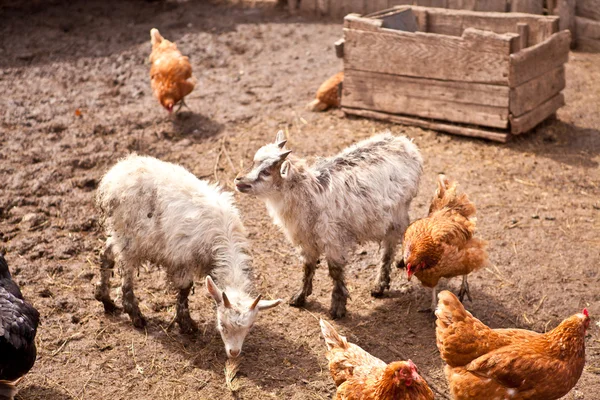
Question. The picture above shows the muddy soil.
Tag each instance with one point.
(75, 97)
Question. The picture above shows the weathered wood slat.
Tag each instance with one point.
(531, 94)
(566, 12)
(431, 3)
(587, 44)
(403, 21)
(491, 5)
(587, 28)
(462, 4)
(539, 59)
(372, 6)
(392, 3)
(339, 48)
(478, 56)
(356, 22)
(454, 22)
(470, 103)
(527, 6)
(530, 120)
(433, 125)
(589, 9)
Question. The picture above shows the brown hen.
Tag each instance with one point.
(516, 364)
(329, 94)
(170, 74)
(442, 244)
(360, 376)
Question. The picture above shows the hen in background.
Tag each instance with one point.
(18, 326)
(171, 72)
(329, 94)
(360, 376)
(442, 244)
(516, 364)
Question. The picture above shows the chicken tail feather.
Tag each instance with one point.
(449, 310)
(155, 37)
(445, 196)
(332, 338)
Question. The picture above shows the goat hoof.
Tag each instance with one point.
(187, 326)
(298, 300)
(109, 306)
(138, 321)
(337, 312)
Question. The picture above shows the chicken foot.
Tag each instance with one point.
(464, 289)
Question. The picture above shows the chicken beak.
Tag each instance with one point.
(409, 271)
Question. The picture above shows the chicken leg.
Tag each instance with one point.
(431, 309)
(464, 289)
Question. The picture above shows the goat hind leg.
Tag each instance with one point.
(130, 303)
(184, 319)
(340, 294)
(383, 277)
(310, 265)
(102, 290)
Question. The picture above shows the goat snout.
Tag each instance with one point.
(240, 186)
(234, 353)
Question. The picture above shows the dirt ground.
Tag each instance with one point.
(75, 97)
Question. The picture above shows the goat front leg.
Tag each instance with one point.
(102, 291)
(340, 294)
(184, 319)
(383, 277)
(310, 265)
(130, 303)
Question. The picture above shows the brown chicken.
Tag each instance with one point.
(514, 364)
(329, 94)
(442, 244)
(170, 74)
(360, 376)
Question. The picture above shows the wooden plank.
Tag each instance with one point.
(527, 6)
(589, 9)
(539, 59)
(523, 30)
(392, 3)
(531, 94)
(339, 48)
(491, 5)
(587, 28)
(566, 12)
(308, 6)
(497, 136)
(470, 103)
(589, 45)
(356, 22)
(478, 56)
(454, 22)
(431, 3)
(530, 120)
(375, 5)
(462, 4)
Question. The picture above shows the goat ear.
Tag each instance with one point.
(226, 302)
(266, 304)
(284, 171)
(280, 136)
(213, 290)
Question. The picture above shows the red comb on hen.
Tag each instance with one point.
(585, 312)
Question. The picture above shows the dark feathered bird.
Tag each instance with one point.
(18, 326)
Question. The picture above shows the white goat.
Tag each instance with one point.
(361, 194)
(159, 212)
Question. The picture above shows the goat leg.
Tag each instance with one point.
(130, 303)
(299, 299)
(184, 319)
(102, 291)
(383, 277)
(340, 293)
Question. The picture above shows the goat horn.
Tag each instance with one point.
(253, 306)
(283, 156)
(226, 301)
(282, 143)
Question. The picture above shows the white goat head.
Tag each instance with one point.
(269, 168)
(235, 316)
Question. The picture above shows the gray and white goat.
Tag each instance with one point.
(159, 212)
(361, 194)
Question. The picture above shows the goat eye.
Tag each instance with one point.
(265, 172)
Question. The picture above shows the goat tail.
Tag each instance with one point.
(8, 389)
(332, 338)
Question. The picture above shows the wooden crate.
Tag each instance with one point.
(488, 75)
